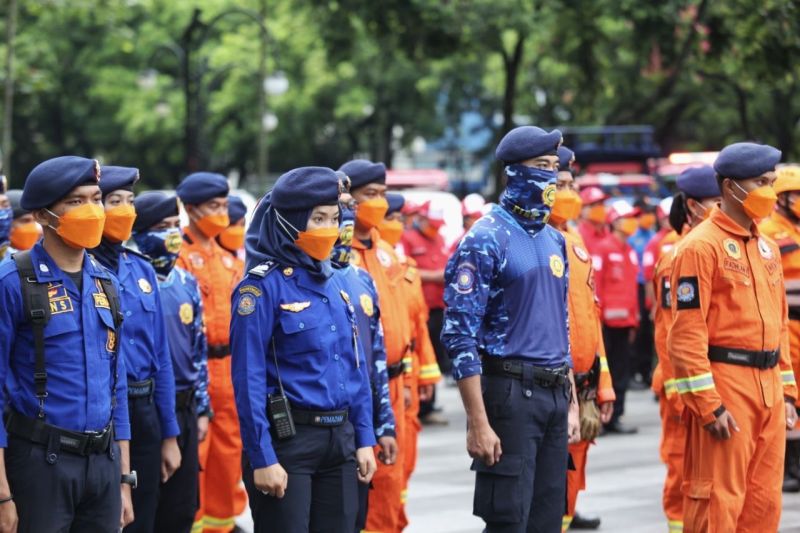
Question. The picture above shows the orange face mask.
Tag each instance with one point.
(232, 238)
(759, 202)
(567, 206)
(318, 243)
(597, 214)
(391, 231)
(628, 226)
(82, 227)
(24, 236)
(370, 213)
(213, 225)
(647, 221)
(119, 223)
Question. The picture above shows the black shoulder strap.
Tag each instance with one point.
(116, 313)
(37, 310)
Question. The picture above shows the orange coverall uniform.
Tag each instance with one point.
(222, 497)
(673, 428)
(728, 295)
(421, 369)
(385, 497)
(787, 237)
(586, 344)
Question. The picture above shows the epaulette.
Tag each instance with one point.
(263, 269)
(136, 253)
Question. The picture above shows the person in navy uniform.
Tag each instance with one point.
(157, 234)
(65, 431)
(506, 331)
(155, 454)
(370, 331)
(294, 343)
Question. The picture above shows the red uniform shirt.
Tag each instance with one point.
(591, 235)
(616, 267)
(429, 254)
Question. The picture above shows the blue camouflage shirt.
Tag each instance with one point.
(364, 293)
(506, 296)
(183, 318)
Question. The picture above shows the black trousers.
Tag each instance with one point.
(146, 460)
(618, 353)
(435, 325)
(58, 491)
(643, 351)
(322, 492)
(179, 497)
(526, 490)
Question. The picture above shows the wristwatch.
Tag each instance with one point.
(130, 479)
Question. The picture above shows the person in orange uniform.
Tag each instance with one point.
(698, 193)
(376, 256)
(25, 231)
(665, 236)
(421, 369)
(592, 226)
(205, 198)
(729, 348)
(783, 226)
(425, 245)
(232, 237)
(616, 267)
(592, 377)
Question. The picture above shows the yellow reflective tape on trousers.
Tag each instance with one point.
(566, 522)
(787, 376)
(695, 383)
(675, 526)
(215, 522)
(603, 364)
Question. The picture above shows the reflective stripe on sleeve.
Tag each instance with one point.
(695, 383)
(787, 376)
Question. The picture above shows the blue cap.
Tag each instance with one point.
(236, 209)
(117, 178)
(698, 182)
(52, 180)
(152, 207)
(14, 196)
(396, 202)
(527, 142)
(304, 188)
(363, 172)
(565, 157)
(200, 187)
(741, 161)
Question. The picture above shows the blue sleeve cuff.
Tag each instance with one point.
(122, 432)
(365, 437)
(466, 364)
(169, 428)
(262, 458)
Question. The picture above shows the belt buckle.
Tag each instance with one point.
(506, 366)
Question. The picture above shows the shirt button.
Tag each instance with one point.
(341, 386)
(52, 458)
(130, 341)
(302, 325)
(333, 328)
(528, 393)
(336, 357)
(127, 313)
(324, 300)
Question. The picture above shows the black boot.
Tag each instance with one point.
(791, 467)
(580, 521)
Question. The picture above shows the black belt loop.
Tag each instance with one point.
(735, 356)
(218, 351)
(320, 418)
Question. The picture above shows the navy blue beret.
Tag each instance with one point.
(527, 142)
(200, 187)
(741, 161)
(117, 178)
(236, 209)
(14, 196)
(52, 180)
(565, 157)
(152, 207)
(698, 182)
(305, 188)
(396, 202)
(363, 172)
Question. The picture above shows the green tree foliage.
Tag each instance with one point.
(110, 78)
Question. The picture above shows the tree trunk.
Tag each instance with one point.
(8, 100)
(512, 64)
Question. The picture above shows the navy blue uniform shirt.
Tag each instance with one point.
(312, 324)
(506, 296)
(79, 350)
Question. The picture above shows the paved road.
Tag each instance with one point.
(623, 483)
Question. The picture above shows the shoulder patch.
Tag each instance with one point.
(764, 249)
(732, 248)
(250, 289)
(465, 278)
(247, 304)
(366, 304)
(688, 293)
(186, 313)
(580, 253)
(263, 269)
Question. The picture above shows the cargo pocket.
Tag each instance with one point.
(699, 489)
(498, 489)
